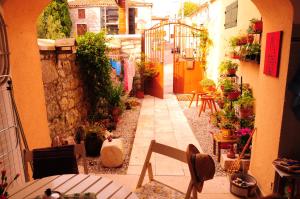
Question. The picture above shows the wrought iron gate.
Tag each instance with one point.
(188, 56)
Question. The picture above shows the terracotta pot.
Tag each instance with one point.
(233, 95)
(242, 41)
(231, 71)
(257, 26)
(140, 94)
(226, 133)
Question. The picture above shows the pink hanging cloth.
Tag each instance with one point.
(129, 73)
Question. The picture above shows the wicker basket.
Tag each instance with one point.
(239, 190)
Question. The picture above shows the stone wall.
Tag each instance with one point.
(128, 44)
(65, 101)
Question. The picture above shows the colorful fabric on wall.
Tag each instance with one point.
(116, 65)
(129, 73)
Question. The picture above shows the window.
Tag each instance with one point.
(81, 29)
(109, 19)
(231, 15)
(81, 13)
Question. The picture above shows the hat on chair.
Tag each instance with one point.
(201, 166)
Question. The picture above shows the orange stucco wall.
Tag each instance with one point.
(20, 18)
(270, 92)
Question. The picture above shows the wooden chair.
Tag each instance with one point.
(170, 152)
(79, 151)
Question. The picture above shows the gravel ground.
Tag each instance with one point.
(126, 130)
(201, 128)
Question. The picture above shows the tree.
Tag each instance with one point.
(189, 8)
(55, 21)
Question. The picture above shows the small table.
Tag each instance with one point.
(73, 183)
(219, 140)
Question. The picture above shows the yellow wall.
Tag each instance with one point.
(268, 91)
(20, 18)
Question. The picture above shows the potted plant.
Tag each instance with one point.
(242, 40)
(256, 26)
(244, 106)
(253, 52)
(208, 85)
(227, 128)
(146, 72)
(231, 90)
(250, 38)
(115, 101)
(244, 134)
(228, 67)
(94, 137)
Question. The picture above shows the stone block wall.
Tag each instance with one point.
(65, 101)
(129, 44)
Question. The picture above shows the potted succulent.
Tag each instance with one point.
(244, 105)
(229, 67)
(208, 85)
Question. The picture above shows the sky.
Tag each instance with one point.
(167, 7)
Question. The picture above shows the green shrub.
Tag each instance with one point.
(95, 68)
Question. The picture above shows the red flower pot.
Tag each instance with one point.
(245, 112)
(233, 95)
(231, 71)
(250, 39)
(258, 26)
(140, 94)
(242, 41)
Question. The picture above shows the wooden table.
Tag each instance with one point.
(72, 183)
(219, 140)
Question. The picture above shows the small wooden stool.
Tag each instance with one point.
(209, 101)
(197, 97)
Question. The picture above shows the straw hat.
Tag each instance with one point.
(201, 166)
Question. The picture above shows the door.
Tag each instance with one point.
(187, 61)
(154, 54)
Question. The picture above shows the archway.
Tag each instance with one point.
(25, 68)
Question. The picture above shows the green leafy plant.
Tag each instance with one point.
(95, 68)
(115, 96)
(189, 8)
(245, 101)
(55, 21)
(230, 86)
(227, 65)
(207, 82)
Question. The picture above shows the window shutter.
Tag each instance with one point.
(131, 20)
(231, 15)
(81, 13)
(81, 29)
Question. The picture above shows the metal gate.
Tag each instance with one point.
(188, 56)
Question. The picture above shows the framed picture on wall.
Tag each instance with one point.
(272, 55)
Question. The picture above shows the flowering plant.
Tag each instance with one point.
(5, 185)
(243, 134)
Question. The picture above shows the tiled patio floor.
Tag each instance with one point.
(164, 121)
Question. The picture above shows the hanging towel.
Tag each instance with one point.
(54, 161)
(125, 81)
(116, 65)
